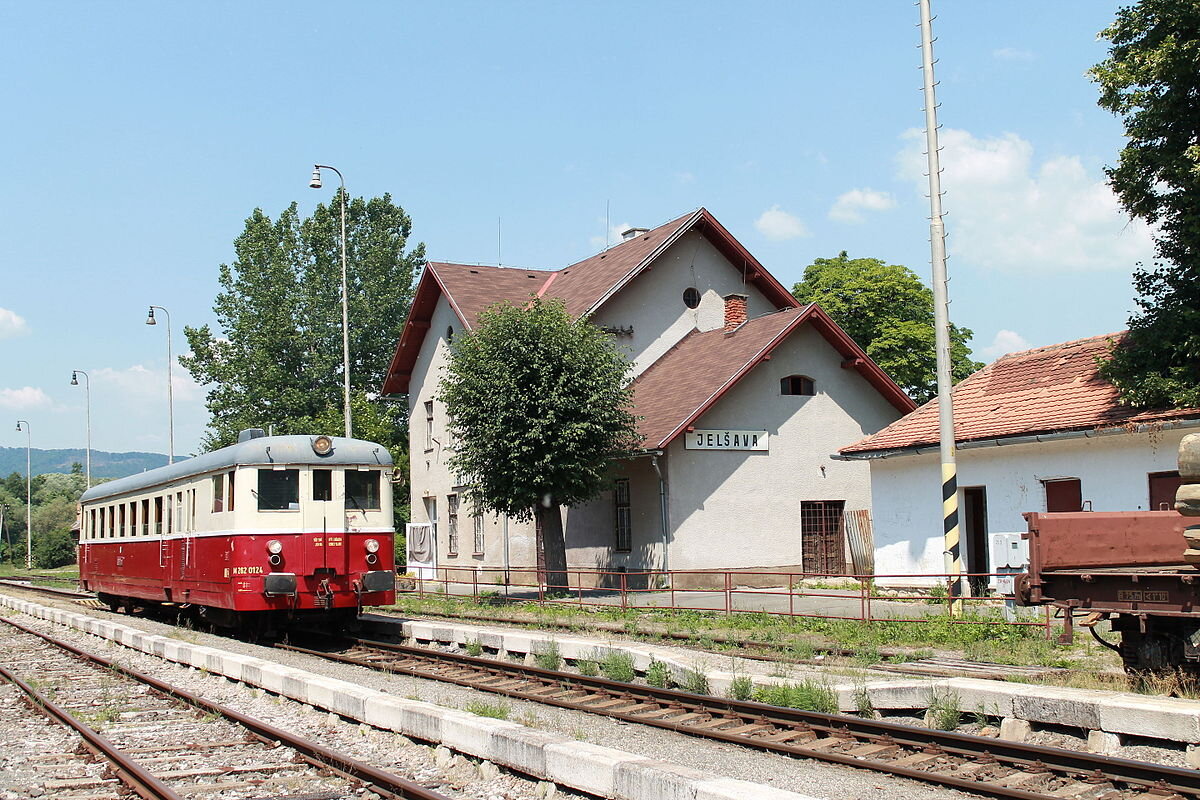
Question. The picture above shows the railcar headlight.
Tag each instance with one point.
(322, 445)
(274, 547)
(372, 545)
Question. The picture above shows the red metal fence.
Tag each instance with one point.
(864, 598)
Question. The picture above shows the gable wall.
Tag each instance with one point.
(907, 489)
(653, 302)
(741, 508)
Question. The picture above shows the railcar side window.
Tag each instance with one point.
(158, 516)
(218, 487)
(362, 489)
(278, 489)
(230, 503)
(146, 517)
(322, 484)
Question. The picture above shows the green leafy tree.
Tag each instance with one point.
(278, 358)
(1151, 78)
(53, 545)
(888, 312)
(539, 406)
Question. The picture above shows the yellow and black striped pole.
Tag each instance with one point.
(941, 313)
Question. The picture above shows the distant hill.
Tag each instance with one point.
(104, 465)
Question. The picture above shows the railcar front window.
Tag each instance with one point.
(278, 489)
(362, 489)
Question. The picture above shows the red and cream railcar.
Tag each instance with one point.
(258, 534)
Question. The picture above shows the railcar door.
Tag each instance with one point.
(324, 522)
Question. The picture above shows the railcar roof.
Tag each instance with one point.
(290, 450)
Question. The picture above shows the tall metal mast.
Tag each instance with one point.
(941, 313)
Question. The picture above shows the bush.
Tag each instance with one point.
(658, 674)
(741, 688)
(55, 549)
(547, 656)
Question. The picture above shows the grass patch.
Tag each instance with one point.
(658, 674)
(473, 647)
(618, 666)
(547, 656)
(944, 713)
(806, 695)
(695, 681)
(483, 709)
(588, 667)
(741, 688)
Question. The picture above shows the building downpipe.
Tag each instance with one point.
(662, 510)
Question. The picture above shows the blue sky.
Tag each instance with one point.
(141, 135)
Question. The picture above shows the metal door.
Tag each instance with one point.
(323, 515)
(823, 540)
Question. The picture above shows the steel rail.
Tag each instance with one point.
(1080, 766)
(131, 774)
(50, 590)
(382, 782)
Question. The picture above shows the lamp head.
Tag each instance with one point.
(150, 319)
(18, 426)
(74, 379)
(315, 183)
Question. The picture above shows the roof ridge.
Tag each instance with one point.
(624, 242)
(1061, 345)
(472, 265)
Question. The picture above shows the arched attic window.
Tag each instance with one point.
(797, 384)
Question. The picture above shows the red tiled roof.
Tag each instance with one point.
(1045, 390)
(694, 374)
(471, 289)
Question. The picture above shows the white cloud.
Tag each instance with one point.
(685, 177)
(1003, 343)
(614, 236)
(778, 225)
(24, 398)
(142, 384)
(850, 205)
(1010, 213)
(1013, 54)
(12, 324)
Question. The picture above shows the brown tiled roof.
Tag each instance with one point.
(471, 289)
(693, 375)
(1045, 390)
(584, 283)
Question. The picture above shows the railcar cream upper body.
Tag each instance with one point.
(270, 485)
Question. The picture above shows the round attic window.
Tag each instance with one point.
(691, 297)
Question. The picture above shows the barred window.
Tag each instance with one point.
(477, 525)
(797, 384)
(452, 524)
(623, 517)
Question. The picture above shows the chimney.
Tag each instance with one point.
(735, 310)
(633, 233)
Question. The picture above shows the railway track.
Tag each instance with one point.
(977, 764)
(164, 743)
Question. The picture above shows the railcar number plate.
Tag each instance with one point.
(1138, 596)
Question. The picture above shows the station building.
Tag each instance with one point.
(1037, 430)
(743, 395)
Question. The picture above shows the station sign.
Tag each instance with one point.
(725, 440)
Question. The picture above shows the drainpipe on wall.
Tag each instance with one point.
(506, 578)
(662, 505)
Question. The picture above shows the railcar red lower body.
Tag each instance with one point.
(235, 579)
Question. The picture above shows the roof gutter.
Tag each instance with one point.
(873, 455)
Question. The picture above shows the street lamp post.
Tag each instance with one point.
(87, 386)
(315, 183)
(170, 398)
(28, 498)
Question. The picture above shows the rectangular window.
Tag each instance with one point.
(121, 520)
(452, 524)
(92, 523)
(229, 497)
(322, 484)
(428, 424)
(362, 489)
(1063, 494)
(278, 489)
(145, 518)
(180, 516)
(112, 522)
(169, 507)
(158, 516)
(477, 527)
(192, 509)
(100, 530)
(1163, 486)
(218, 487)
(622, 516)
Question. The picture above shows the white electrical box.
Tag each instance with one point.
(1008, 555)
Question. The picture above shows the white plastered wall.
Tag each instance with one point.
(1113, 472)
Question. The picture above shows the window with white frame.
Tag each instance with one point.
(428, 424)
(622, 515)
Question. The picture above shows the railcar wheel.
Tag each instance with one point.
(112, 601)
(1151, 653)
